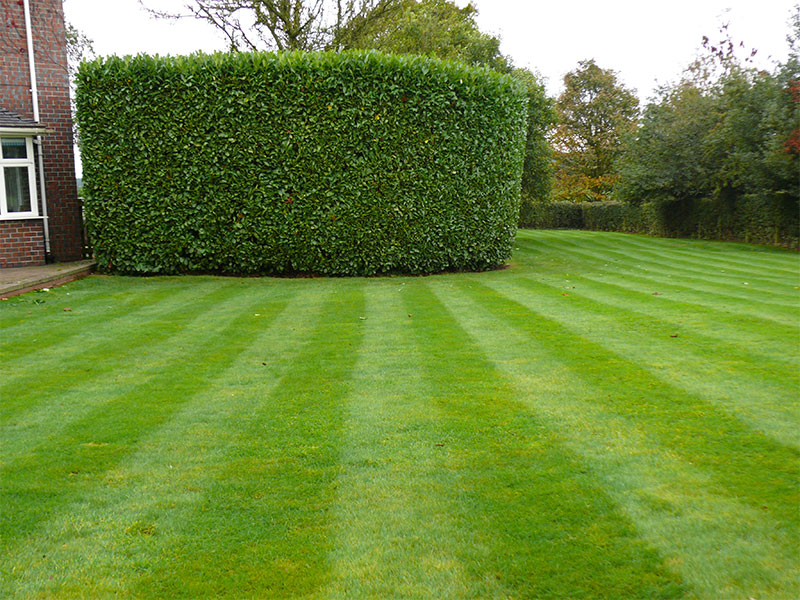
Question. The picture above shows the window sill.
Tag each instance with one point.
(21, 217)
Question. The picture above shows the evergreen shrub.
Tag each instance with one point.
(752, 218)
(339, 164)
(551, 215)
(618, 216)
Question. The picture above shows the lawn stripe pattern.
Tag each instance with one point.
(102, 350)
(44, 309)
(673, 504)
(689, 267)
(612, 416)
(395, 533)
(93, 377)
(759, 337)
(91, 444)
(518, 489)
(751, 466)
(159, 482)
(279, 472)
(747, 257)
(659, 273)
(688, 359)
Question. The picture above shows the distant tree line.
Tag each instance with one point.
(715, 154)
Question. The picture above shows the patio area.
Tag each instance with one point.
(19, 280)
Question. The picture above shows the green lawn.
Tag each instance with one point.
(611, 417)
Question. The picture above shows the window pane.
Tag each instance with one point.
(14, 148)
(18, 189)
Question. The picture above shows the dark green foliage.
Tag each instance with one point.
(431, 27)
(596, 216)
(441, 28)
(618, 216)
(551, 215)
(340, 164)
(672, 158)
(719, 163)
(749, 219)
(537, 172)
(719, 156)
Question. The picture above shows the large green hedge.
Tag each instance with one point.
(341, 164)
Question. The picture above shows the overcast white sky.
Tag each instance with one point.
(647, 42)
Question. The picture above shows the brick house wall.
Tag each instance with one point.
(49, 44)
(21, 243)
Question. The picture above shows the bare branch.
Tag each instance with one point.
(282, 24)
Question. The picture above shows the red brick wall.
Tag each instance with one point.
(53, 81)
(21, 243)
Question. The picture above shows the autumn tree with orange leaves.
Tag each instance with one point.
(595, 111)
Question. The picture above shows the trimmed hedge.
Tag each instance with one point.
(749, 219)
(340, 164)
(619, 216)
(759, 219)
(551, 215)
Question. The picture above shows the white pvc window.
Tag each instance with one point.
(17, 178)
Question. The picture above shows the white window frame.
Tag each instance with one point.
(28, 162)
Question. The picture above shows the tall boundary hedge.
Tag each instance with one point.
(340, 164)
(752, 219)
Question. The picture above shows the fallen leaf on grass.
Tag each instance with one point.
(674, 335)
(656, 293)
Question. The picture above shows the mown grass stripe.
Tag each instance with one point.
(730, 257)
(751, 255)
(83, 387)
(650, 282)
(723, 548)
(776, 285)
(100, 348)
(700, 256)
(262, 526)
(662, 273)
(135, 525)
(394, 532)
(93, 294)
(535, 450)
(759, 257)
(687, 359)
(760, 337)
(19, 338)
(79, 455)
(632, 259)
(749, 309)
(751, 466)
(535, 507)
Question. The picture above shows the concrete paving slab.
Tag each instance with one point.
(20, 280)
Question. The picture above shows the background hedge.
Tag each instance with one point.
(751, 218)
(342, 164)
